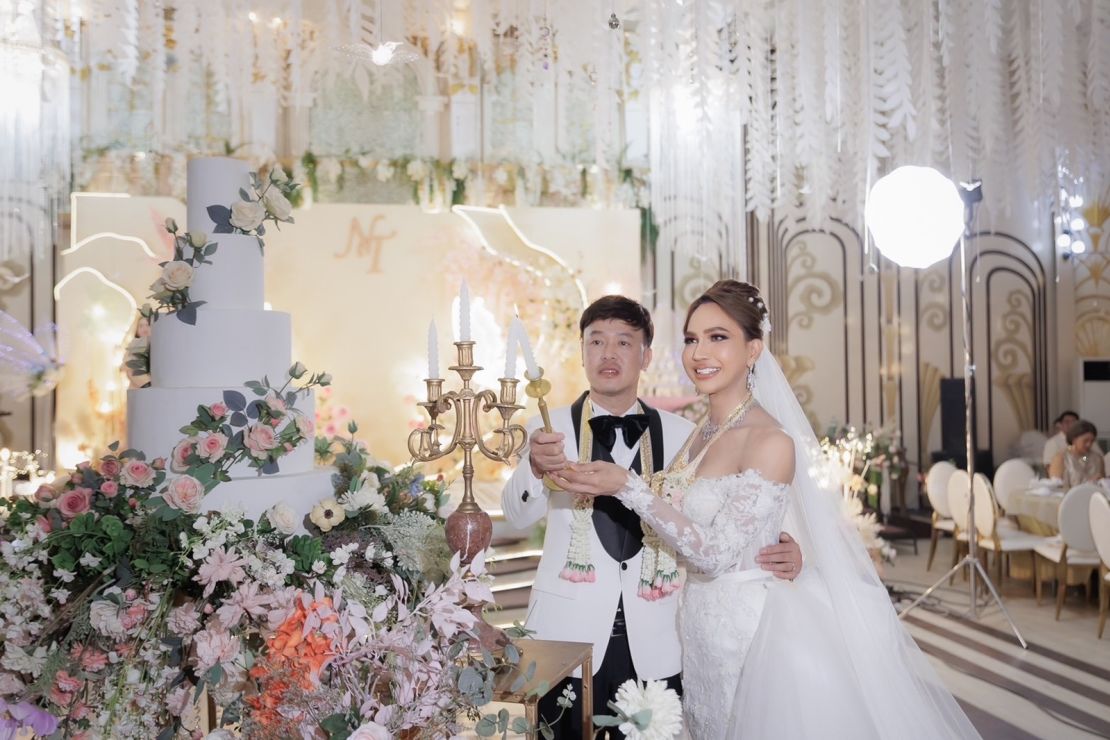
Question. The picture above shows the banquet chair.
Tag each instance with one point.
(936, 489)
(959, 499)
(1012, 476)
(1074, 547)
(994, 536)
(1100, 531)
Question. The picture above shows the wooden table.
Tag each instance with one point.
(554, 661)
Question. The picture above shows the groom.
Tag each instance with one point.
(594, 583)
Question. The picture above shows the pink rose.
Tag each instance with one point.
(184, 493)
(110, 467)
(260, 439)
(158, 463)
(74, 503)
(179, 459)
(45, 494)
(211, 446)
(218, 410)
(276, 403)
(109, 488)
(137, 473)
(305, 426)
(44, 525)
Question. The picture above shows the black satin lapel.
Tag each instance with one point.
(655, 429)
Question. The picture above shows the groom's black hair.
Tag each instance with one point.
(622, 309)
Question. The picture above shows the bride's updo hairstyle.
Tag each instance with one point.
(741, 301)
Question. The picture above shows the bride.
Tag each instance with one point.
(824, 656)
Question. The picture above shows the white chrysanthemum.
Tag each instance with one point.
(665, 720)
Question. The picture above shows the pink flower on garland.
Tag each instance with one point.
(211, 446)
(179, 459)
(109, 488)
(218, 410)
(110, 467)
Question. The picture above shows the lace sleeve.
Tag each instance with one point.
(712, 549)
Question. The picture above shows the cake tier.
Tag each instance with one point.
(155, 417)
(225, 347)
(213, 181)
(254, 496)
(234, 279)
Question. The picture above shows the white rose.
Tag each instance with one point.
(283, 518)
(384, 171)
(277, 205)
(417, 170)
(177, 275)
(370, 731)
(198, 239)
(247, 215)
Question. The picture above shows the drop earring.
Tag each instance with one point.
(751, 378)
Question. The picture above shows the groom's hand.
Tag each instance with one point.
(783, 559)
(546, 453)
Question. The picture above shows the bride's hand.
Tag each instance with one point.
(596, 479)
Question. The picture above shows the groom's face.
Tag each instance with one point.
(613, 354)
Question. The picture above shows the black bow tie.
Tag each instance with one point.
(632, 427)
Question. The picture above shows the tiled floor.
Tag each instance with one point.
(1057, 688)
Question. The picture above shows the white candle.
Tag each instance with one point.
(464, 313)
(433, 351)
(510, 351)
(533, 370)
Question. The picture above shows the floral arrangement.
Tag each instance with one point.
(857, 461)
(268, 200)
(122, 600)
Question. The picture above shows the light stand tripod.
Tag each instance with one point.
(972, 194)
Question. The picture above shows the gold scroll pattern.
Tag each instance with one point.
(1092, 285)
(1013, 357)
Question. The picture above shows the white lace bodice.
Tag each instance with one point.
(717, 525)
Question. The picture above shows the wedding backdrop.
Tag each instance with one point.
(547, 153)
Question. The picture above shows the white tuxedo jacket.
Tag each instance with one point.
(584, 612)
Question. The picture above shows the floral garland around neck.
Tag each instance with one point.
(659, 573)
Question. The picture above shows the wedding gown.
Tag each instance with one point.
(720, 529)
(823, 656)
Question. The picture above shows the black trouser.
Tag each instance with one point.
(616, 668)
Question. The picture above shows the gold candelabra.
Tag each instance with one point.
(469, 530)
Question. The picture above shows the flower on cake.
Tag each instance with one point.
(211, 446)
(260, 439)
(176, 275)
(247, 215)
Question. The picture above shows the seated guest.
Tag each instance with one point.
(1057, 443)
(1079, 462)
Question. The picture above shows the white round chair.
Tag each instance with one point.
(959, 499)
(1012, 476)
(1075, 546)
(936, 489)
(998, 535)
(1100, 532)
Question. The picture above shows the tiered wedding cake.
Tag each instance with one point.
(234, 340)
